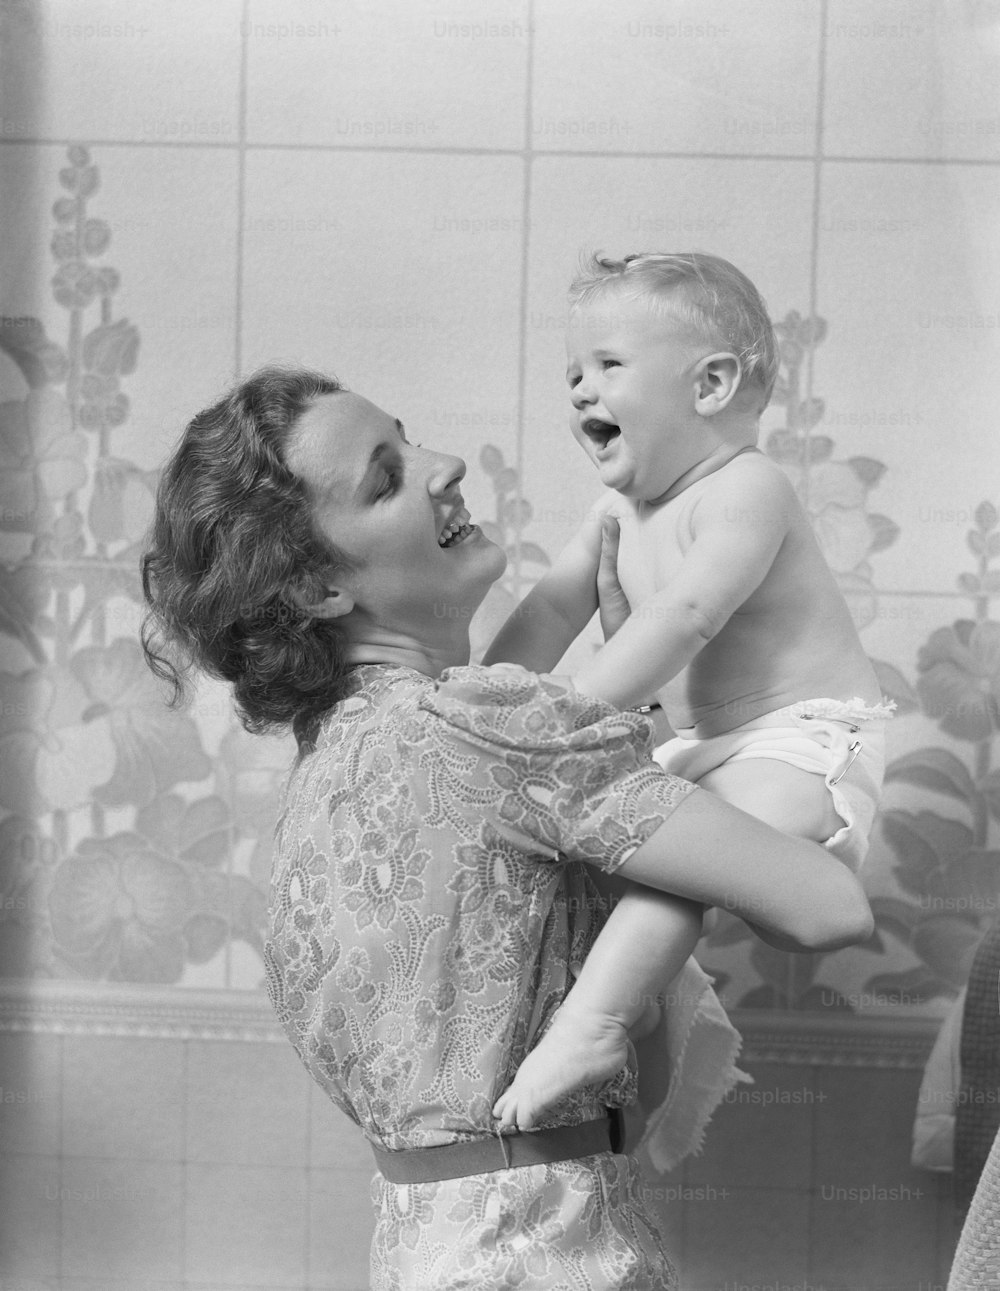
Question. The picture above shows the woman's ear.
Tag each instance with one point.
(329, 600)
(333, 606)
(717, 378)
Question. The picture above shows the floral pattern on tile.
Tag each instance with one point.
(947, 852)
(125, 821)
(84, 733)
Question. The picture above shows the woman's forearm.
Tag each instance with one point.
(710, 852)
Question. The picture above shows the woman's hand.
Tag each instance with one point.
(612, 602)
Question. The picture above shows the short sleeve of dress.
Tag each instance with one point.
(556, 771)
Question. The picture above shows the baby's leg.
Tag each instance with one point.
(581, 1047)
(639, 951)
(795, 801)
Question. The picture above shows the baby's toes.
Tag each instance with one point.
(527, 1114)
(505, 1110)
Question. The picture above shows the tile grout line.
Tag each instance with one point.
(817, 193)
(457, 150)
(811, 1217)
(307, 1262)
(523, 288)
(241, 175)
(185, 1159)
(817, 176)
(60, 1156)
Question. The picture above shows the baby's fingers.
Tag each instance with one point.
(610, 536)
(612, 601)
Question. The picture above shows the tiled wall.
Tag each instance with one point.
(138, 1164)
(398, 191)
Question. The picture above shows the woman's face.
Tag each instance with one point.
(396, 512)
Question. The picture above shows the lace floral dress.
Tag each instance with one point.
(429, 908)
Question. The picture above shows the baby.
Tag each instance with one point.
(738, 630)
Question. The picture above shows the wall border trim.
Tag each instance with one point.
(179, 1013)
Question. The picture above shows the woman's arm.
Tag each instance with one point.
(713, 853)
(705, 851)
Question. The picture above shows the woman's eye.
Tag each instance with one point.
(389, 487)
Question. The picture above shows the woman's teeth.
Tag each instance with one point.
(455, 538)
(459, 528)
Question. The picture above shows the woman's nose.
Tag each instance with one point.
(446, 471)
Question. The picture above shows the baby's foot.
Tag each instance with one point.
(577, 1050)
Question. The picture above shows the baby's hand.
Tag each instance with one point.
(577, 1050)
(612, 602)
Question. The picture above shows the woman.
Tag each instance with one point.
(430, 890)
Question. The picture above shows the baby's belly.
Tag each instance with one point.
(727, 685)
(701, 721)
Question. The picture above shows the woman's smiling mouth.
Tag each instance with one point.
(458, 528)
(460, 536)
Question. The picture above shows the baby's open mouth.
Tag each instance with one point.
(600, 433)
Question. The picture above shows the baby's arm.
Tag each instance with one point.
(640, 950)
(642, 947)
(560, 605)
(738, 526)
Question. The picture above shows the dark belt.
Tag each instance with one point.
(503, 1152)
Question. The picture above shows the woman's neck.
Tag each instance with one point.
(429, 658)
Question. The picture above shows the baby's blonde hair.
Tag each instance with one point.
(712, 296)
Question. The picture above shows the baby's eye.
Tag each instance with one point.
(572, 379)
(610, 363)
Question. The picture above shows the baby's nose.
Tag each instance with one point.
(581, 394)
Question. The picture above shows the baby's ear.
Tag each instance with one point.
(717, 378)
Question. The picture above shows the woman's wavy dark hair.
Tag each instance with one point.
(233, 555)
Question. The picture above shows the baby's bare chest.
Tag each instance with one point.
(650, 553)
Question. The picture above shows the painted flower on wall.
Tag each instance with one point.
(53, 755)
(947, 864)
(834, 492)
(250, 772)
(41, 459)
(155, 747)
(140, 905)
(119, 909)
(512, 513)
(27, 857)
(959, 681)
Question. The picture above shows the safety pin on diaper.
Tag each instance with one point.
(844, 721)
(854, 748)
